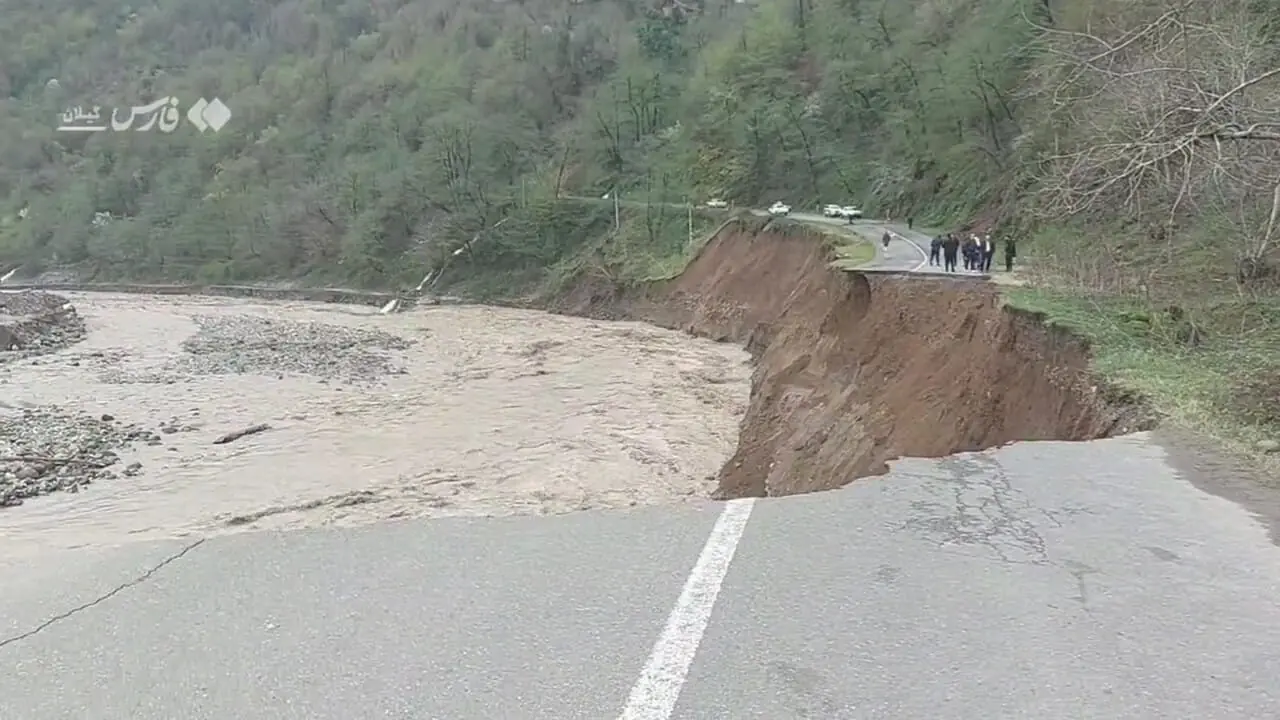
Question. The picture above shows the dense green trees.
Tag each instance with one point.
(372, 140)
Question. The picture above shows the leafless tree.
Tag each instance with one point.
(1168, 118)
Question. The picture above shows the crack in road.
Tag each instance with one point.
(985, 511)
(104, 597)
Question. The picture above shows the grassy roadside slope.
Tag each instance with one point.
(1213, 369)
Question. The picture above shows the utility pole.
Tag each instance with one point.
(690, 222)
(524, 199)
(617, 212)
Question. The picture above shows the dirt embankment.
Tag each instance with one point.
(854, 370)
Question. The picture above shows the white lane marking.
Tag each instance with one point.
(803, 217)
(924, 256)
(656, 692)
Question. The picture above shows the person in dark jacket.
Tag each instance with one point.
(935, 251)
(1010, 252)
(950, 248)
(988, 252)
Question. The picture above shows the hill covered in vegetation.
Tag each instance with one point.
(369, 139)
(1133, 146)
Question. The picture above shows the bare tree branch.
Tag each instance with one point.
(1175, 117)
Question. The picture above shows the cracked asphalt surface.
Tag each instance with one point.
(1041, 580)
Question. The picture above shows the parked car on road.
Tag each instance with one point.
(717, 204)
(779, 208)
(849, 212)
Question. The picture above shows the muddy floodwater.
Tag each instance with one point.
(436, 412)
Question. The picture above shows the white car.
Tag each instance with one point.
(779, 208)
(851, 212)
(717, 204)
(832, 211)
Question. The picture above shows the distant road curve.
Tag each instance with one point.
(907, 252)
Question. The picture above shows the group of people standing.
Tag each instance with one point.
(976, 253)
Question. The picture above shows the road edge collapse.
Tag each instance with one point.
(853, 369)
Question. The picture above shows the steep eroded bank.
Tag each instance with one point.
(854, 370)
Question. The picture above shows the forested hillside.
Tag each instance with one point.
(1133, 140)
(1132, 147)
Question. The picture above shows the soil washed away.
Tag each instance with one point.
(440, 411)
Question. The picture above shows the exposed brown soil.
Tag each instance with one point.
(854, 370)
(1256, 398)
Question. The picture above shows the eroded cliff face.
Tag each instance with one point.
(854, 370)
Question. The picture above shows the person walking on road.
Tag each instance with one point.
(884, 239)
(935, 251)
(950, 247)
(988, 253)
(975, 253)
(1010, 252)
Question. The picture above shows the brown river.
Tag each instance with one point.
(492, 411)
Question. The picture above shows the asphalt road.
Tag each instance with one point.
(1057, 581)
(908, 250)
(1043, 580)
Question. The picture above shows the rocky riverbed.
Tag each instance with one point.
(36, 323)
(45, 449)
(278, 348)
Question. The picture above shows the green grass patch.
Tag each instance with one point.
(1213, 368)
(851, 250)
(853, 254)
